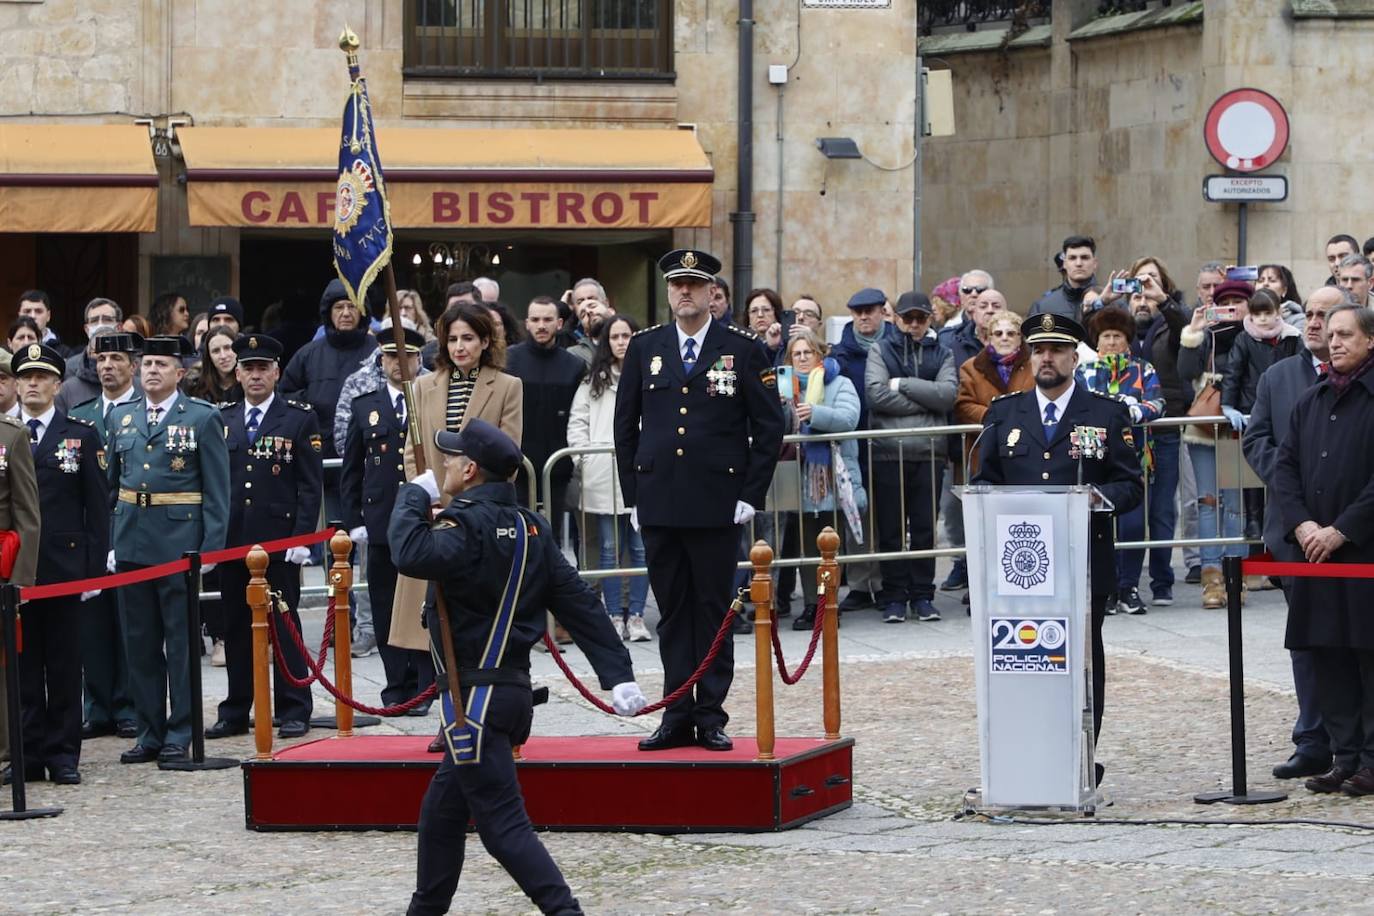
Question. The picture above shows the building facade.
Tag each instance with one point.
(535, 143)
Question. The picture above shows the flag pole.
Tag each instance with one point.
(349, 44)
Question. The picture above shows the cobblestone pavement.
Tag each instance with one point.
(136, 840)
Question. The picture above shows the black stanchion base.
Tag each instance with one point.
(332, 722)
(29, 814)
(191, 766)
(1230, 798)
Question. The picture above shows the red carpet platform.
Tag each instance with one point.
(570, 783)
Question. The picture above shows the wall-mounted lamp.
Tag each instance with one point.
(838, 148)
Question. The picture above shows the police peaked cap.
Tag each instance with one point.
(1051, 327)
(415, 341)
(491, 449)
(257, 348)
(684, 262)
(38, 356)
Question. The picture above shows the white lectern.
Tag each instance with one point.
(1029, 603)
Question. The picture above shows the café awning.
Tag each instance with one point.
(454, 178)
(77, 178)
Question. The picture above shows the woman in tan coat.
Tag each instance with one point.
(1002, 367)
(467, 383)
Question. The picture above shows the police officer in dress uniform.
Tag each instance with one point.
(169, 469)
(18, 513)
(275, 469)
(1061, 433)
(75, 537)
(373, 470)
(698, 425)
(108, 708)
(500, 567)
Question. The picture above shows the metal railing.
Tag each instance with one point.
(1232, 475)
(948, 15)
(539, 39)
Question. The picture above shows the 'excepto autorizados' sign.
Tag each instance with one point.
(1029, 645)
(1238, 188)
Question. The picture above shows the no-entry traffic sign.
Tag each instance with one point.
(1246, 130)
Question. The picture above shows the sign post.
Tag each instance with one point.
(1245, 131)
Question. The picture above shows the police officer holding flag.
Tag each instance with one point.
(1062, 433)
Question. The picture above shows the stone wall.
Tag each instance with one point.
(845, 224)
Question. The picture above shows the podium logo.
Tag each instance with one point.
(1025, 558)
(1029, 645)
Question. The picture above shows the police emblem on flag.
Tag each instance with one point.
(350, 197)
(1025, 558)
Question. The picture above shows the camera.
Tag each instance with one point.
(1219, 313)
(1248, 273)
(1128, 285)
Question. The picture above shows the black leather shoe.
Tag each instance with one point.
(807, 620)
(171, 753)
(665, 738)
(1330, 781)
(741, 627)
(66, 776)
(139, 753)
(126, 728)
(1300, 765)
(223, 729)
(293, 728)
(856, 601)
(437, 745)
(420, 711)
(31, 774)
(714, 739)
(1362, 783)
(90, 730)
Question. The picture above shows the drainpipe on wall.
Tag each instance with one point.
(743, 217)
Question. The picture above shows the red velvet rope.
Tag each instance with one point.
(317, 670)
(1264, 564)
(790, 679)
(325, 643)
(77, 586)
(671, 698)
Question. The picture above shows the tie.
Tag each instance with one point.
(154, 414)
(34, 425)
(689, 354)
(1323, 370)
(401, 408)
(251, 427)
(1051, 421)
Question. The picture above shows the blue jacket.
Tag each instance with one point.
(839, 413)
(853, 359)
(961, 340)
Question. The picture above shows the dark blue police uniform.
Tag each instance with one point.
(470, 551)
(690, 443)
(274, 476)
(75, 500)
(373, 470)
(1015, 450)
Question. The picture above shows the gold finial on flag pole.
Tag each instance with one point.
(349, 44)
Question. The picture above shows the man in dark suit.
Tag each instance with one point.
(1279, 389)
(1061, 433)
(167, 459)
(109, 709)
(75, 496)
(373, 469)
(274, 471)
(698, 425)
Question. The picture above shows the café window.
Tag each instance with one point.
(539, 39)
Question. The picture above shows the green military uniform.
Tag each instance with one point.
(172, 484)
(18, 512)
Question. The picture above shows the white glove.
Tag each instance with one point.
(627, 698)
(744, 513)
(634, 519)
(110, 562)
(427, 483)
(298, 555)
(207, 568)
(358, 535)
(87, 596)
(1136, 413)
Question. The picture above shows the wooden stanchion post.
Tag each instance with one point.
(259, 602)
(828, 582)
(761, 593)
(341, 580)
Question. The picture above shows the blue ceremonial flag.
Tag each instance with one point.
(362, 214)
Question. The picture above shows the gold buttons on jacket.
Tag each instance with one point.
(682, 430)
(684, 391)
(248, 484)
(1047, 456)
(1044, 475)
(679, 453)
(248, 468)
(682, 410)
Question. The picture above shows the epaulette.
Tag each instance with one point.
(647, 330)
(84, 403)
(1114, 398)
(90, 423)
(225, 405)
(742, 332)
(300, 405)
(201, 402)
(1009, 394)
(13, 421)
